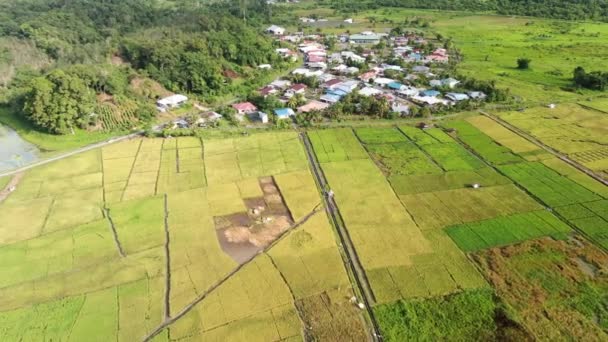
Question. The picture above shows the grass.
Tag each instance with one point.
(421, 183)
(555, 287)
(336, 145)
(50, 142)
(502, 135)
(507, 230)
(546, 184)
(569, 128)
(468, 315)
(600, 104)
(434, 210)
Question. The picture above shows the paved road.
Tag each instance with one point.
(349, 250)
(71, 153)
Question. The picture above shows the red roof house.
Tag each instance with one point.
(244, 107)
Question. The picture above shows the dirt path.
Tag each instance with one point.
(172, 319)
(350, 254)
(12, 183)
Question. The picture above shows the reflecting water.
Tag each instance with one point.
(14, 151)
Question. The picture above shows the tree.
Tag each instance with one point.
(523, 63)
(59, 102)
(595, 80)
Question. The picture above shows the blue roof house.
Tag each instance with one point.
(395, 85)
(456, 97)
(431, 93)
(284, 113)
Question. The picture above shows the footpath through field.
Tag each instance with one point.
(348, 248)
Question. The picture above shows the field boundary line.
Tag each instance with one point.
(353, 263)
(293, 297)
(419, 147)
(170, 320)
(167, 295)
(546, 206)
(106, 214)
(547, 148)
(122, 196)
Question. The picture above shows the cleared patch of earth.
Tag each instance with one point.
(243, 235)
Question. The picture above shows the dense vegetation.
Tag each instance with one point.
(175, 43)
(562, 9)
(595, 80)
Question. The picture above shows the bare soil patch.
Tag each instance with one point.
(11, 186)
(242, 235)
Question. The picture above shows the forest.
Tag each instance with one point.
(186, 46)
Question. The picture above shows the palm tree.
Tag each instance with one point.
(293, 102)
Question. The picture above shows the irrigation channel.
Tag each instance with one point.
(350, 253)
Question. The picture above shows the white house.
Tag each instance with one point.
(265, 66)
(450, 82)
(276, 30)
(348, 21)
(369, 91)
(263, 117)
(383, 81)
(172, 101)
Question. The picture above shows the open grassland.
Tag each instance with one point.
(579, 133)
(556, 289)
(107, 244)
(491, 44)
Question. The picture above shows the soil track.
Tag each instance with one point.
(170, 320)
(12, 183)
(352, 258)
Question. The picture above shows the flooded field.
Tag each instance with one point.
(14, 151)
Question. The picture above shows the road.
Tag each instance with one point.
(350, 253)
(71, 153)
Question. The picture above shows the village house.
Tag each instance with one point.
(450, 82)
(280, 84)
(400, 107)
(244, 108)
(331, 84)
(263, 117)
(476, 95)
(268, 90)
(312, 105)
(456, 97)
(284, 113)
(369, 91)
(169, 102)
(275, 30)
(366, 77)
(364, 38)
(295, 89)
(383, 81)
